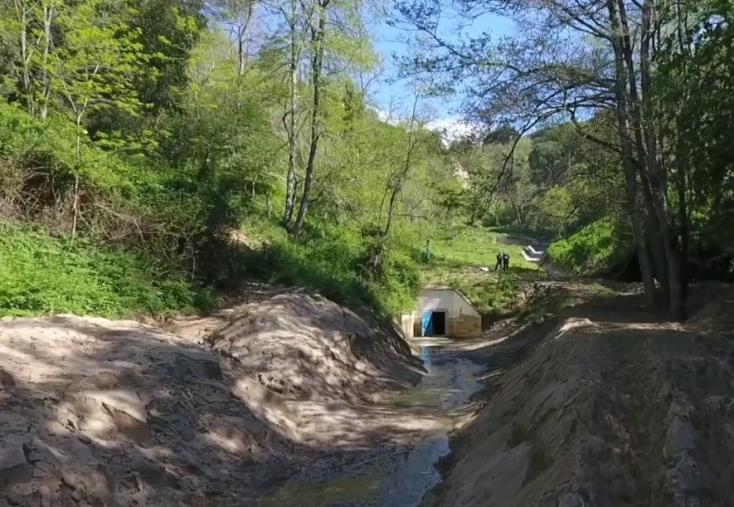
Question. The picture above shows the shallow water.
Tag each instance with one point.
(392, 475)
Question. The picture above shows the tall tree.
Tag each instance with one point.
(95, 69)
(318, 35)
(333, 43)
(578, 58)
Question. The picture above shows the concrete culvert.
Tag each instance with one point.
(442, 312)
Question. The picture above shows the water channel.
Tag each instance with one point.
(399, 475)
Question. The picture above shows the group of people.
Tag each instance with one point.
(503, 262)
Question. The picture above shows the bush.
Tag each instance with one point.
(44, 275)
(593, 249)
(331, 260)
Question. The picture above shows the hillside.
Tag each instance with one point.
(465, 258)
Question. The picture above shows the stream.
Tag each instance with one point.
(396, 475)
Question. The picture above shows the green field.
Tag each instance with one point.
(457, 258)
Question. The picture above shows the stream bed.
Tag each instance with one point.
(392, 474)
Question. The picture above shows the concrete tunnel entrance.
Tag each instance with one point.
(442, 312)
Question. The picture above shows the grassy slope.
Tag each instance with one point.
(40, 274)
(457, 256)
(593, 249)
(331, 261)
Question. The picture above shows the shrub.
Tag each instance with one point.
(43, 275)
(591, 250)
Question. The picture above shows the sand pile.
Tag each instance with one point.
(606, 409)
(304, 346)
(99, 412)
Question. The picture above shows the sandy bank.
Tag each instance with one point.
(100, 412)
(603, 405)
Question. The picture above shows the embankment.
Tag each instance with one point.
(100, 412)
(603, 405)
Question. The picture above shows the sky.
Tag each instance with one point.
(394, 97)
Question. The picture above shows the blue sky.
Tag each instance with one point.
(394, 95)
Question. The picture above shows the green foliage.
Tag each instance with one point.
(700, 125)
(472, 246)
(43, 275)
(331, 262)
(547, 184)
(592, 250)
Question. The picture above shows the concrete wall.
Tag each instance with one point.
(407, 324)
(462, 319)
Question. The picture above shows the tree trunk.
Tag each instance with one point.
(48, 15)
(658, 178)
(290, 195)
(628, 161)
(317, 61)
(242, 42)
(403, 174)
(75, 208)
(652, 180)
(78, 153)
(25, 56)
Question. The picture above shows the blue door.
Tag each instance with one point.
(427, 324)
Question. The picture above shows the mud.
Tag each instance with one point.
(289, 399)
(399, 473)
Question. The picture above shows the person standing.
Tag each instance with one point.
(498, 266)
(505, 262)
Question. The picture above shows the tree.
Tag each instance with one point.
(224, 135)
(698, 56)
(238, 17)
(30, 41)
(576, 59)
(323, 37)
(95, 69)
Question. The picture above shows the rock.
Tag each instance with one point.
(571, 500)
(680, 438)
(12, 455)
(46, 497)
(188, 368)
(14, 467)
(6, 379)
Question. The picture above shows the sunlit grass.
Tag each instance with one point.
(478, 247)
(458, 256)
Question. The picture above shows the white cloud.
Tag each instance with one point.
(388, 118)
(385, 116)
(452, 128)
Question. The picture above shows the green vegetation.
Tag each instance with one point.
(592, 250)
(139, 137)
(598, 113)
(136, 140)
(458, 255)
(331, 263)
(465, 246)
(41, 275)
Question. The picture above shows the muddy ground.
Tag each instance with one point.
(288, 399)
(602, 404)
(291, 400)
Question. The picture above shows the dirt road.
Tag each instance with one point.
(603, 404)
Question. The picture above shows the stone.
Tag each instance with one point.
(11, 455)
(6, 379)
(571, 499)
(681, 437)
